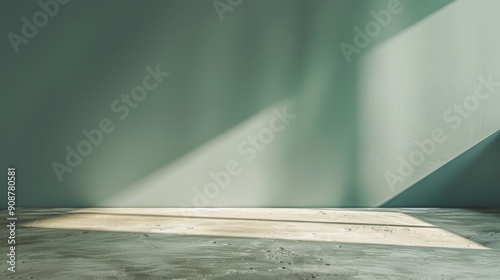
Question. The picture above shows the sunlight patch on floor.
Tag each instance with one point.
(332, 225)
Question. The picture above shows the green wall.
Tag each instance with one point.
(229, 80)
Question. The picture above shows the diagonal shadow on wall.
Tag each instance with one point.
(471, 180)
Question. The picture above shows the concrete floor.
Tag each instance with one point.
(256, 244)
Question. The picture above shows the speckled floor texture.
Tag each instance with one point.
(255, 243)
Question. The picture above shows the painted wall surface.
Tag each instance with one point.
(468, 181)
(433, 89)
(241, 103)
